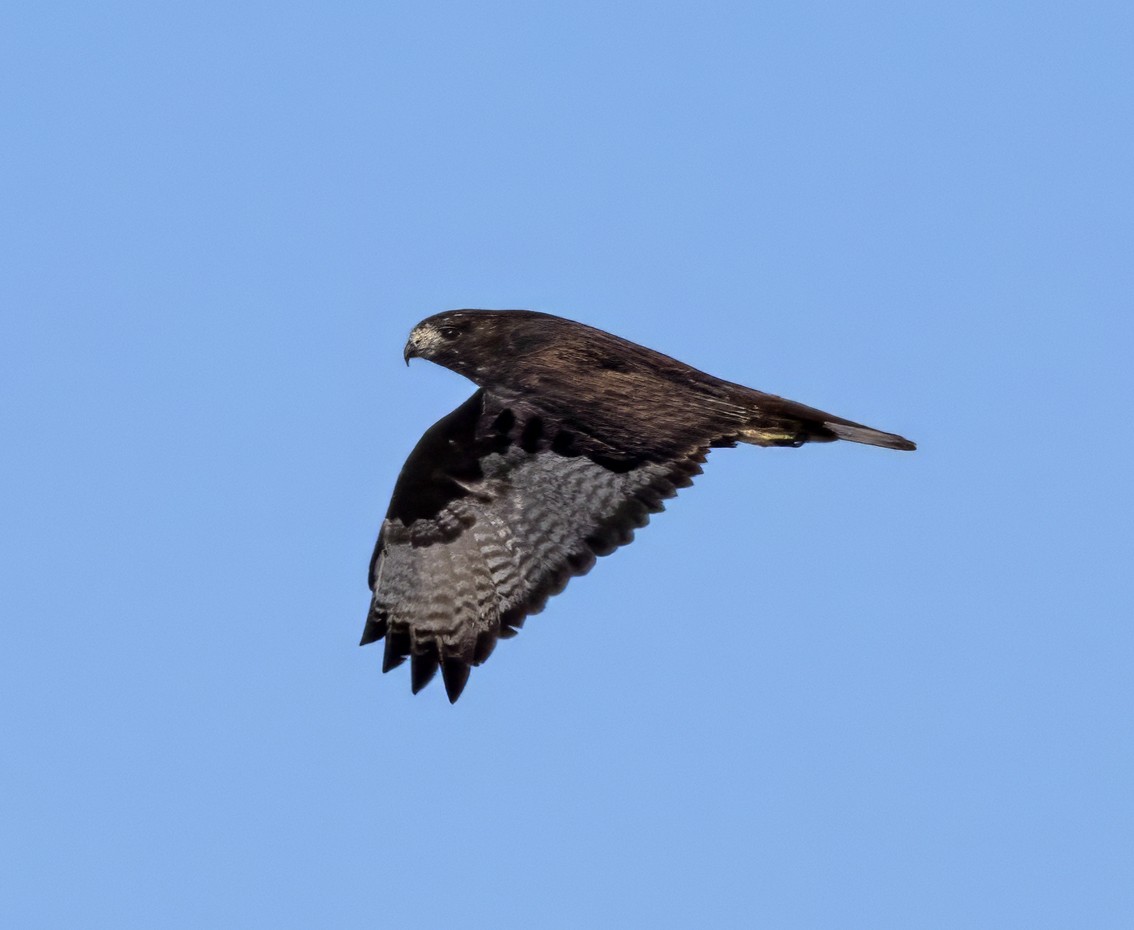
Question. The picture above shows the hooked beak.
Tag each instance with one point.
(410, 351)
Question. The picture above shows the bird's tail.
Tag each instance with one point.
(780, 422)
(856, 432)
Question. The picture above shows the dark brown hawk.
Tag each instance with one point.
(574, 438)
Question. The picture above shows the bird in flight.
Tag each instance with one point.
(572, 439)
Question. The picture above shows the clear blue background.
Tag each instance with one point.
(830, 687)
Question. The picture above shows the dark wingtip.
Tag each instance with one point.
(423, 666)
(397, 648)
(374, 630)
(485, 643)
(455, 674)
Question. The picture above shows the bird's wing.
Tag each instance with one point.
(495, 510)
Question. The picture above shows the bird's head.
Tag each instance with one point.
(475, 342)
(440, 338)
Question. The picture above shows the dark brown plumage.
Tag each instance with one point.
(574, 438)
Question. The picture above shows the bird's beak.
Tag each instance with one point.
(410, 351)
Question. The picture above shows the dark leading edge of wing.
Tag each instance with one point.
(494, 511)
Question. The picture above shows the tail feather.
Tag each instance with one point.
(781, 422)
(872, 437)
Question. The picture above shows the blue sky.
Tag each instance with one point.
(829, 687)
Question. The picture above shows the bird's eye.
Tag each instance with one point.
(449, 332)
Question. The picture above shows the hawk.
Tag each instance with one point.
(573, 438)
